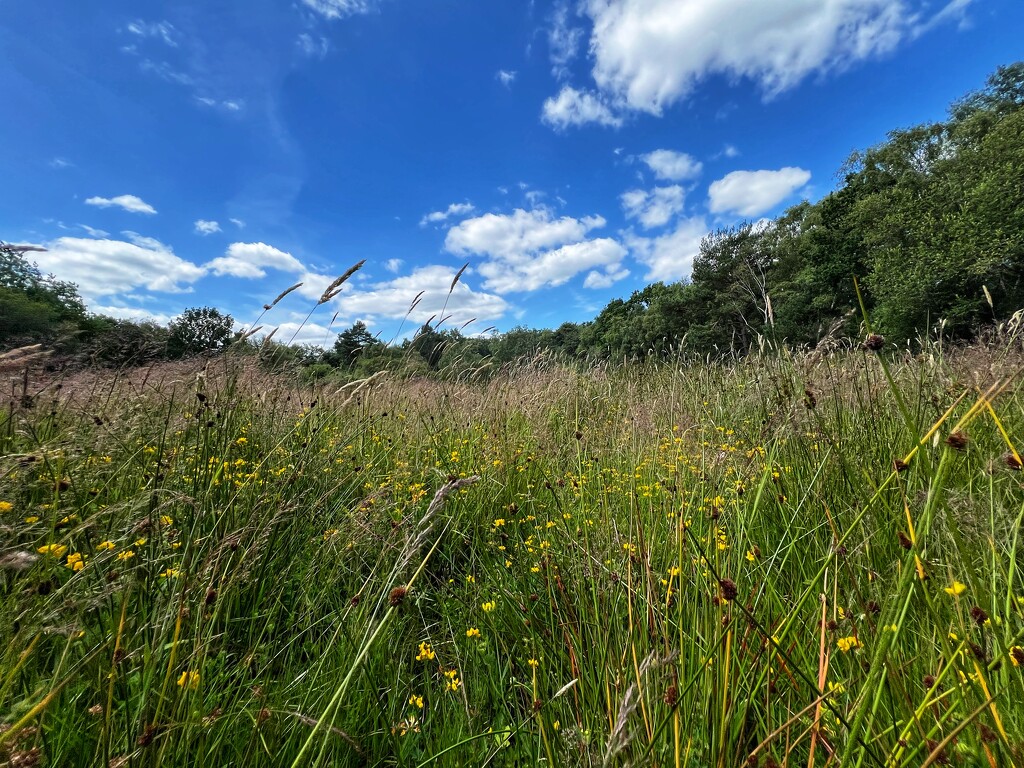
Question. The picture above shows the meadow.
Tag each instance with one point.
(786, 559)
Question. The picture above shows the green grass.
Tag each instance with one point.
(687, 564)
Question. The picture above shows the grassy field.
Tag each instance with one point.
(809, 560)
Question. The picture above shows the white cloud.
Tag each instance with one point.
(238, 223)
(506, 77)
(336, 9)
(109, 267)
(552, 268)
(526, 250)
(517, 235)
(649, 54)
(132, 313)
(129, 203)
(251, 260)
(204, 227)
(159, 29)
(393, 265)
(392, 298)
(60, 163)
(730, 151)
(563, 41)
(230, 105)
(573, 107)
(93, 232)
(314, 47)
(670, 256)
(144, 241)
(653, 208)
(303, 333)
(751, 193)
(606, 279)
(672, 166)
(453, 210)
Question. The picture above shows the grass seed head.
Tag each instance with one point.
(729, 589)
(957, 441)
(874, 342)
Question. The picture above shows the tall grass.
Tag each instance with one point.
(773, 561)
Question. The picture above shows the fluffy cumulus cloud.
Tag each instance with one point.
(394, 298)
(655, 207)
(527, 250)
(204, 227)
(751, 193)
(251, 260)
(130, 203)
(572, 107)
(298, 332)
(606, 278)
(108, 267)
(670, 256)
(138, 314)
(452, 211)
(669, 165)
(649, 54)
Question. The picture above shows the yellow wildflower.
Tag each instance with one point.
(57, 550)
(472, 632)
(489, 606)
(189, 680)
(76, 561)
(850, 643)
(533, 663)
(31, 519)
(126, 555)
(6, 506)
(166, 520)
(958, 588)
(426, 653)
(416, 701)
(104, 546)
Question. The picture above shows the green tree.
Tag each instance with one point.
(33, 306)
(199, 329)
(353, 343)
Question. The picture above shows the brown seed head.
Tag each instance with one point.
(979, 616)
(1012, 462)
(729, 589)
(957, 441)
(397, 595)
(904, 540)
(900, 466)
(672, 695)
(874, 342)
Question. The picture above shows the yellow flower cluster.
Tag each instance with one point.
(189, 680)
(847, 644)
(57, 550)
(426, 653)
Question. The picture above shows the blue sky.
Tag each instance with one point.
(185, 154)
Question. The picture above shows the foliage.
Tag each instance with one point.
(33, 306)
(199, 329)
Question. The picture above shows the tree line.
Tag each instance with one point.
(925, 232)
